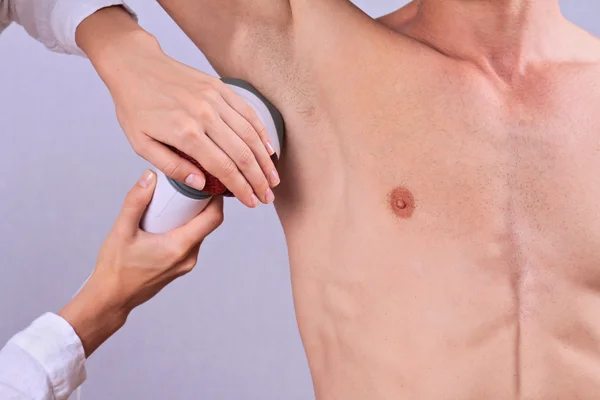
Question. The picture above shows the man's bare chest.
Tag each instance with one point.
(380, 112)
(470, 155)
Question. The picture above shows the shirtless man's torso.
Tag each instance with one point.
(439, 192)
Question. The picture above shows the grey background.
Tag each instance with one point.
(227, 331)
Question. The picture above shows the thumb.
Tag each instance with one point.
(136, 202)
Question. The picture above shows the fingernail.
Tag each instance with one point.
(195, 181)
(254, 200)
(270, 148)
(269, 196)
(274, 178)
(146, 179)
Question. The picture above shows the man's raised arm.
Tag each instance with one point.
(247, 39)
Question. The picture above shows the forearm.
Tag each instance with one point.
(96, 312)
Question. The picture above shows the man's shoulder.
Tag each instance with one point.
(398, 19)
(584, 44)
(594, 48)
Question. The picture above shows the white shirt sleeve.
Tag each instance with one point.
(46, 361)
(53, 22)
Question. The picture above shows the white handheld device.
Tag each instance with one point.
(174, 203)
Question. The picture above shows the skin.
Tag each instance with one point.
(133, 266)
(483, 118)
(161, 102)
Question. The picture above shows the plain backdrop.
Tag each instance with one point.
(225, 332)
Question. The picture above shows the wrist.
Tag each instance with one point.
(96, 312)
(108, 36)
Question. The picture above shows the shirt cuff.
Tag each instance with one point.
(68, 14)
(53, 343)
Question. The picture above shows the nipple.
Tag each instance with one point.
(402, 202)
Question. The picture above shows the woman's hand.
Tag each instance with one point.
(161, 102)
(133, 265)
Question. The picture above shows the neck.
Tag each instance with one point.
(500, 36)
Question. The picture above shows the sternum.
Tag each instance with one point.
(516, 255)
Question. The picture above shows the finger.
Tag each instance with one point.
(246, 131)
(136, 202)
(172, 165)
(243, 157)
(195, 231)
(220, 165)
(248, 113)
